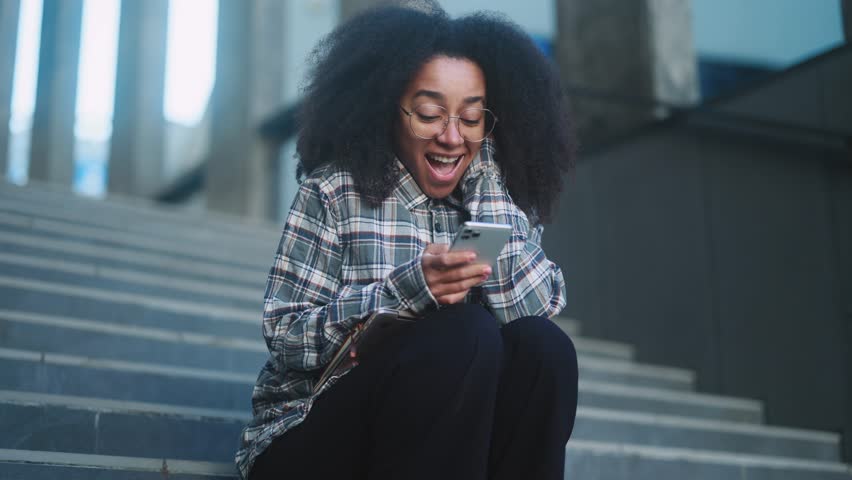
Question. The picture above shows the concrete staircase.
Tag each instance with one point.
(130, 340)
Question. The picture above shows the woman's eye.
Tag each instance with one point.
(471, 122)
(428, 118)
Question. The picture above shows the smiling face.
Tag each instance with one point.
(438, 164)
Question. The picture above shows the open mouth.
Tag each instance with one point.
(443, 167)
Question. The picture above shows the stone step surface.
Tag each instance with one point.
(127, 308)
(72, 424)
(664, 401)
(38, 465)
(604, 425)
(63, 374)
(97, 426)
(110, 279)
(75, 336)
(119, 212)
(82, 302)
(91, 274)
(59, 373)
(150, 311)
(583, 460)
(85, 274)
(130, 334)
(247, 254)
(245, 248)
(572, 327)
(51, 248)
(601, 460)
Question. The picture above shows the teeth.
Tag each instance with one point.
(439, 159)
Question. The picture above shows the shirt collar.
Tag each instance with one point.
(407, 190)
(482, 163)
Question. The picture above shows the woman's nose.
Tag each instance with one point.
(451, 134)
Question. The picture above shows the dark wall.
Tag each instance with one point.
(774, 276)
(841, 213)
(721, 242)
(721, 253)
(633, 252)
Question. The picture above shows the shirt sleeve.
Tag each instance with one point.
(524, 281)
(308, 312)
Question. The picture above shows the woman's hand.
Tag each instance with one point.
(450, 275)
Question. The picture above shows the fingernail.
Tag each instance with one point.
(471, 257)
(486, 271)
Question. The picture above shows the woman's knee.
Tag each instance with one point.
(540, 341)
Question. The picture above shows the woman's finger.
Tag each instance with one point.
(463, 273)
(449, 260)
(436, 248)
(451, 299)
(453, 288)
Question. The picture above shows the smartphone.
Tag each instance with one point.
(486, 239)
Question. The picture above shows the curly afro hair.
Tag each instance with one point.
(359, 72)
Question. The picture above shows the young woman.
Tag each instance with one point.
(413, 123)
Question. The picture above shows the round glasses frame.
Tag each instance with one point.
(447, 123)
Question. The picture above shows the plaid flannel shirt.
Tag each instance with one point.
(340, 259)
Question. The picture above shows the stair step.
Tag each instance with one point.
(98, 426)
(569, 325)
(64, 374)
(604, 348)
(247, 353)
(85, 274)
(51, 248)
(123, 308)
(61, 374)
(64, 334)
(71, 424)
(636, 374)
(660, 401)
(130, 212)
(246, 255)
(587, 459)
(76, 466)
(94, 292)
(73, 336)
(596, 424)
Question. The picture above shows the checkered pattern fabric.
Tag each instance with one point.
(341, 258)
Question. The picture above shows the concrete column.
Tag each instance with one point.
(622, 57)
(350, 8)
(52, 149)
(249, 87)
(136, 150)
(9, 14)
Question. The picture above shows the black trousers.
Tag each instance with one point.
(456, 397)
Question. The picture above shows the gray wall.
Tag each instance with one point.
(721, 244)
(720, 253)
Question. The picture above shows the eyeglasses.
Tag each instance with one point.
(430, 121)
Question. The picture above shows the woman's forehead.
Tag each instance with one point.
(445, 78)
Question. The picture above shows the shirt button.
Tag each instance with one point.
(438, 227)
